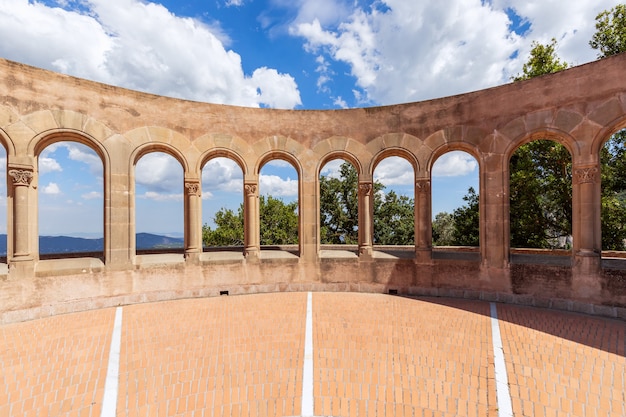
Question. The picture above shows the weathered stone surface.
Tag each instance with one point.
(572, 107)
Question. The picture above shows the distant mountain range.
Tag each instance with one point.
(66, 244)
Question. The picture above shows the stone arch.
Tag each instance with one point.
(282, 155)
(295, 162)
(9, 146)
(397, 151)
(149, 139)
(223, 145)
(326, 149)
(150, 147)
(43, 140)
(605, 133)
(222, 153)
(446, 147)
(555, 135)
(334, 155)
(549, 134)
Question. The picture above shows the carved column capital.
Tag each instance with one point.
(21, 176)
(193, 188)
(586, 175)
(365, 188)
(422, 186)
(251, 189)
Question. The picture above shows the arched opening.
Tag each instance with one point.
(455, 203)
(339, 206)
(70, 201)
(540, 191)
(613, 196)
(222, 207)
(159, 205)
(3, 208)
(394, 203)
(279, 209)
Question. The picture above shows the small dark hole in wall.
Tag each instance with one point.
(223, 292)
(393, 292)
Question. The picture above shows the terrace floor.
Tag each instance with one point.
(322, 354)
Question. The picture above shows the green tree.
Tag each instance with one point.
(339, 207)
(279, 224)
(394, 222)
(393, 215)
(540, 195)
(444, 229)
(542, 60)
(610, 36)
(279, 221)
(229, 230)
(613, 167)
(466, 221)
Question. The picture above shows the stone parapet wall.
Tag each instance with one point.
(580, 108)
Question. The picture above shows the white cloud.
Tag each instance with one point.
(453, 164)
(51, 189)
(221, 174)
(277, 186)
(138, 45)
(394, 171)
(159, 172)
(47, 165)
(92, 195)
(155, 196)
(401, 51)
(331, 169)
(230, 3)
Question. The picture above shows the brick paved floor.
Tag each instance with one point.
(373, 355)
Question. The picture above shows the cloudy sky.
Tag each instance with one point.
(293, 54)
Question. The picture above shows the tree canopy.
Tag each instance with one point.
(543, 60)
(279, 224)
(610, 35)
(393, 216)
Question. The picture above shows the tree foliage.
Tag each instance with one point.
(610, 36)
(613, 177)
(393, 214)
(542, 60)
(339, 207)
(394, 222)
(279, 224)
(540, 195)
(444, 229)
(466, 221)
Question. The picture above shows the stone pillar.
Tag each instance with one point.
(193, 221)
(365, 219)
(251, 228)
(309, 221)
(21, 232)
(423, 221)
(494, 224)
(586, 231)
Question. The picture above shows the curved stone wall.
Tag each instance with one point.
(580, 108)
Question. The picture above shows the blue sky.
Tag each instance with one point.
(293, 54)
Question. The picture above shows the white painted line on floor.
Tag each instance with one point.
(109, 401)
(307, 372)
(505, 409)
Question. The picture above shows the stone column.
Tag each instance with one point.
(365, 219)
(423, 221)
(21, 185)
(586, 231)
(251, 229)
(193, 221)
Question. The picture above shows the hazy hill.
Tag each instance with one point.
(66, 244)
